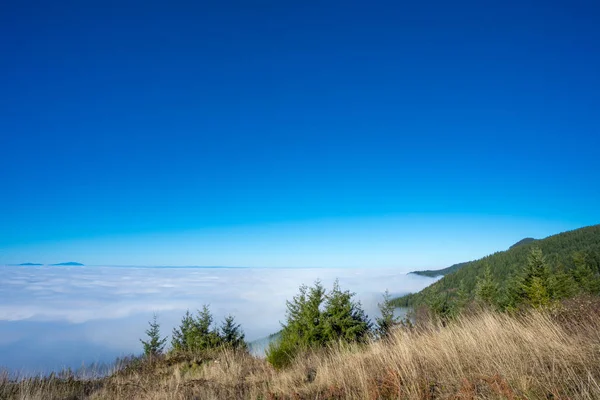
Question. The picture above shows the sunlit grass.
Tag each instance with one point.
(483, 356)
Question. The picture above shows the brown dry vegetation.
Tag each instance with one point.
(538, 355)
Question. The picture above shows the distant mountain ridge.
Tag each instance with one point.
(68, 264)
(28, 264)
(522, 242)
(432, 273)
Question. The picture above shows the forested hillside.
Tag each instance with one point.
(439, 272)
(522, 242)
(562, 254)
(432, 273)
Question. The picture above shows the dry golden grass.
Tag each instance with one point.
(483, 356)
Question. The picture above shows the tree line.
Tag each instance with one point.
(315, 318)
(194, 334)
(536, 284)
(566, 258)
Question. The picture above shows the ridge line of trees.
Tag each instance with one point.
(536, 284)
(315, 318)
(563, 254)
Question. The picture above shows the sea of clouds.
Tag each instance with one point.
(56, 317)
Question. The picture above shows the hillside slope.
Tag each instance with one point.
(485, 356)
(522, 242)
(432, 273)
(558, 250)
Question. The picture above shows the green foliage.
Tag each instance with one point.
(522, 242)
(533, 284)
(432, 273)
(536, 269)
(282, 352)
(303, 327)
(560, 271)
(537, 293)
(445, 271)
(486, 289)
(584, 274)
(304, 316)
(442, 306)
(232, 334)
(155, 344)
(462, 295)
(561, 284)
(315, 318)
(386, 322)
(344, 319)
(181, 337)
(197, 333)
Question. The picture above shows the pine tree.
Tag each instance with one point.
(584, 275)
(303, 327)
(442, 307)
(537, 293)
(534, 284)
(195, 333)
(387, 319)
(155, 344)
(304, 317)
(203, 336)
(182, 336)
(561, 284)
(487, 289)
(232, 334)
(536, 267)
(343, 318)
(462, 295)
(511, 295)
(315, 318)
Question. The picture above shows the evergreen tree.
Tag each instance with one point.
(315, 318)
(232, 334)
(535, 280)
(304, 316)
(561, 284)
(203, 336)
(537, 293)
(442, 306)
(344, 319)
(487, 289)
(511, 297)
(585, 277)
(387, 319)
(536, 267)
(155, 344)
(196, 333)
(303, 327)
(182, 335)
(462, 295)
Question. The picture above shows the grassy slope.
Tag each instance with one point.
(487, 355)
(558, 249)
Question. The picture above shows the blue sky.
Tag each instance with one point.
(294, 133)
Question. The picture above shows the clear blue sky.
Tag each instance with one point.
(294, 133)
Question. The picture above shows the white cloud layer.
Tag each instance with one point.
(64, 316)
